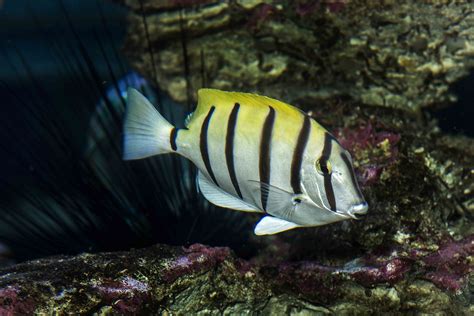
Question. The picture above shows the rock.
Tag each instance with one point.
(397, 54)
(201, 279)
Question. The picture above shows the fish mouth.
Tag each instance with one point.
(358, 210)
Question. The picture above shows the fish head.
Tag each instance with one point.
(331, 185)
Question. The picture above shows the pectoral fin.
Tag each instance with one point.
(219, 197)
(270, 225)
(279, 202)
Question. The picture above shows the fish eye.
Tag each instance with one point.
(323, 166)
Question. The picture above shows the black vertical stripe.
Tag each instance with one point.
(351, 172)
(229, 147)
(327, 177)
(327, 146)
(203, 144)
(265, 153)
(297, 160)
(173, 135)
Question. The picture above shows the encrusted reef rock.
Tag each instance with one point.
(398, 54)
(200, 279)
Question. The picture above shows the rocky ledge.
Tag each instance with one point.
(212, 280)
(397, 54)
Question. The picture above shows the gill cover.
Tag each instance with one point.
(331, 182)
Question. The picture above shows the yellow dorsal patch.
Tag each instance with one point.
(218, 98)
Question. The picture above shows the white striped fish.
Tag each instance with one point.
(254, 154)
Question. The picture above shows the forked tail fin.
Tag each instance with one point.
(146, 132)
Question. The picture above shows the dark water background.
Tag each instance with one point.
(56, 60)
(38, 47)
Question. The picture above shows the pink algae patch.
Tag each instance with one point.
(447, 268)
(390, 271)
(126, 295)
(12, 302)
(372, 150)
(197, 257)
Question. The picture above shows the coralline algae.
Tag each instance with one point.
(197, 257)
(125, 295)
(202, 278)
(373, 151)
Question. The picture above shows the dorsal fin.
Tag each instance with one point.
(188, 119)
(218, 98)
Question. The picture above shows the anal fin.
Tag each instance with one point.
(270, 225)
(219, 197)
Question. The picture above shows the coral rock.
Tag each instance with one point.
(401, 54)
(210, 280)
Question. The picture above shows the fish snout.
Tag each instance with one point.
(357, 210)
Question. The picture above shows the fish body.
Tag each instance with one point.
(254, 154)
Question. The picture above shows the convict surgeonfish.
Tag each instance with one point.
(254, 154)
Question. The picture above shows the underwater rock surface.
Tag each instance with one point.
(212, 280)
(398, 54)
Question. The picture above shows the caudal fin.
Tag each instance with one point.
(146, 132)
